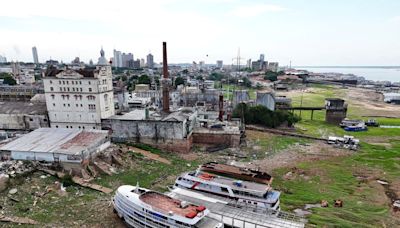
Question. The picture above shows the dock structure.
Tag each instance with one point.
(240, 215)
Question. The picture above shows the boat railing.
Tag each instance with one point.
(130, 209)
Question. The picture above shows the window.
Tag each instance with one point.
(63, 97)
(54, 105)
(80, 82)
(56, 126)
(64, 105)
(81, 89)
(63, 82)
(76, 105)
(92, 106)
(67, 83)
(68, 105)
(51, 89)
(89, 82)
(30, 119)
(59, 82)
(73, 89)
(90, 89)
(52, 96)
(72, 82)
(51, 82)
(68, 89)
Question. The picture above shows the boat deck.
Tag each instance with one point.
(231, 213)
(244, 185)
(167, 204)
(236, 172)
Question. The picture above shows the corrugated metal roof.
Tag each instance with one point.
(56, 140)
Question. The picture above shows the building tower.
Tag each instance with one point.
(150, 61)
(35, 55)
(79, 98)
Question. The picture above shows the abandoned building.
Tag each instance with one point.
(266, 99)
(336, 110)
(170, 133)
(22, 115)
(71, 148)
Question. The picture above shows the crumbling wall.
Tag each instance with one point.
(216, 138)
(166, 135)
(335, 116)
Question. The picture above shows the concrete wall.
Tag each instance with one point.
(167, 135)
(216, 138)
(335, 116)
(266, 100)
(22, 121)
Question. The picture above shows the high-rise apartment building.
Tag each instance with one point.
(220, 64)
(150, 61)
(117, 59)
(126, 58)
(35, 55)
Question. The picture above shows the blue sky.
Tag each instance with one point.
(307, 32)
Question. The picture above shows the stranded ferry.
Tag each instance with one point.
(259, 195)
(140, 207)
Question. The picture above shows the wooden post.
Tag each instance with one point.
(312, 114)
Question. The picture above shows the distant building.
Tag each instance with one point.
(273, 66)
(248, 65)
(52, 62)
(79, 98)
(220, 64)
(150, 61)
(142, 63)
(136, 64)
(202, 64)
(117, 59)
(3, 59)
(76, 61)
(35, 55)
(126, 58)
(258, 65)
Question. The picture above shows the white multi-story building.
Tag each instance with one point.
(79, 98)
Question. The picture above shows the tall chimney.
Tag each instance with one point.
(221, 107)
(165, 80)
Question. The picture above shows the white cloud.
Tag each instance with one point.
(255, 10)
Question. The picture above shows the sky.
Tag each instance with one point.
(305, 32)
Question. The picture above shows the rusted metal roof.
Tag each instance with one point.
(57, 140)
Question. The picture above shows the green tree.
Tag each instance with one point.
(143, 79)
(7, 79)
(246, 82)
(270, 75)
(263, 116)
(179, 81)
(215, 76)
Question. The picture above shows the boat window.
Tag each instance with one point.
(224, 190)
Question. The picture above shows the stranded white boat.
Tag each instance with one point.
(259, 195)
(140, 207)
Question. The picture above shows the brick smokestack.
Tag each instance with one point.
(221, 107)
(166, 84)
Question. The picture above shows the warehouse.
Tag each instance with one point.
(57, 145)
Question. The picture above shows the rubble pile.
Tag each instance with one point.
(14, 168)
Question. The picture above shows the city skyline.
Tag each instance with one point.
(304, 32)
